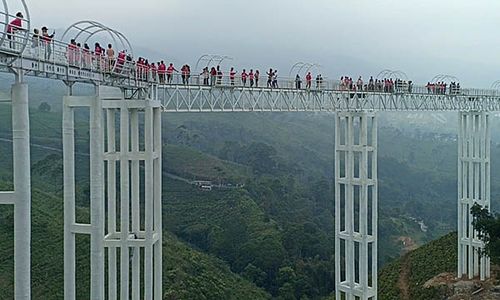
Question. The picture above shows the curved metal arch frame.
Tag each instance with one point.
(26, 19)
(92, 28)
(386, 73)
(200, 59)
(496, 85)
(444, 77)
(309, 66)
(297, 64)
(218, 58)
(317, 66)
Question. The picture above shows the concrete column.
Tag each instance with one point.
(355, 205)
(473, 187)
(22, 189)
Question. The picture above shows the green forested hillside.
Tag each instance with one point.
(407, 275)
(187, 273)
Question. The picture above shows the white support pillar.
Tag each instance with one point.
(22, 189)
(473, 187)
(69, 200)
(96, 199)
(136, 203)
(355, 205)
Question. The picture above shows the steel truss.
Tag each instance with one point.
(125, 189)
(473, 187)
(356, 205)
(179, 98)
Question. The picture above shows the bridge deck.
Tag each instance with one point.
(230, 94)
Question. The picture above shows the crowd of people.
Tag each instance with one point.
(386, 85)
(110, 61)
(441, 88)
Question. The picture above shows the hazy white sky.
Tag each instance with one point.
(355, 37)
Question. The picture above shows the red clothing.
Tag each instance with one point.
(250, 75)
(244, 75)
(15, 24)
(170, 70)
(162, 68)
(232, 74)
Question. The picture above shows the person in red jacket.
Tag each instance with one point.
(244, 76)
(14, 26)
(170, 72)
(251, 76)
(232, 75)
(308, 80)
(162, 69)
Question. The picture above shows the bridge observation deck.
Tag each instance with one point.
(228, 94)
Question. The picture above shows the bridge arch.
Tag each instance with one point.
(87, 30)
(445, 78)
(14, 44)
(386, 73)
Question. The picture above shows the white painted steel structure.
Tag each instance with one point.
(20, 197)
(356, 205)
(125, 160)
(132, 199)
(473, 187)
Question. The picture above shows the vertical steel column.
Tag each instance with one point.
(135, 201)
(157, 208)
(355, 205)
(473, 187)
(22, 189)
(96, 199)
(69, 199)
(111, 195)
(124, 201)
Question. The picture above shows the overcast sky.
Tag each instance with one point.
(423, 38)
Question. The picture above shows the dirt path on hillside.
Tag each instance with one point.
(403, 278)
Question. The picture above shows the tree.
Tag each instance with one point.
(44, 107)
(488, 227)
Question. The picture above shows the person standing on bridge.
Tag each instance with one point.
(14, 26)
(213, 75)
(244, 76)
(154, 71)
(257, 74)
(205, 74)
(87, 57)
(308, 80)
(170, 72)
(47, 41)
(162, 68)
(275, 79)
(232, 75)
(251, 76)
(110, 53)
(98, 52)
(71, 51)
(270, 78)
(298, 81)
(35, 43)
(219, 75)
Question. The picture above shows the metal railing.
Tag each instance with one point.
(24, 45)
